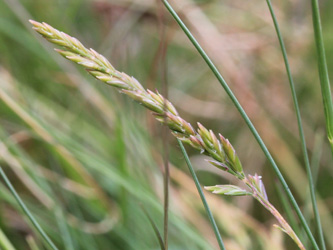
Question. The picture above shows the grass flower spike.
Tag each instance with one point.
(163, 110)
(218, 148)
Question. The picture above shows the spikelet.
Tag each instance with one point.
(99, 67)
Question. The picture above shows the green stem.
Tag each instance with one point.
(300, 127)
(246, 119)
(26, 211)
(325, 85)
(202, 196)
(323, 71)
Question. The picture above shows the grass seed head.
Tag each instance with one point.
(100, 68)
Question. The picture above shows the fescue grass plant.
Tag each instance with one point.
(81, 151)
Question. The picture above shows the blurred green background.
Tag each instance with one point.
(85, 159)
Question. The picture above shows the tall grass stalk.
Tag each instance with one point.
(202, 196)
(27, 212)
(300, 128)
(323, 71)
(246, 119)
(223, 154)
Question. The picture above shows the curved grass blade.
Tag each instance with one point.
(202, 196)
(246, 119)
(27, 212)
(300, 128)
(153, 225)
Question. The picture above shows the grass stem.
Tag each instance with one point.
(325, 88)
(27, 212)
(202, 196)
(323, 71)
(246, 119)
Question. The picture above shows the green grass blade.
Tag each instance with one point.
(325, 85)
(27, 212)
(202, 196)
(323, 71)
(65, 234)
(300, 128)
(153, 225)
(246, 119)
